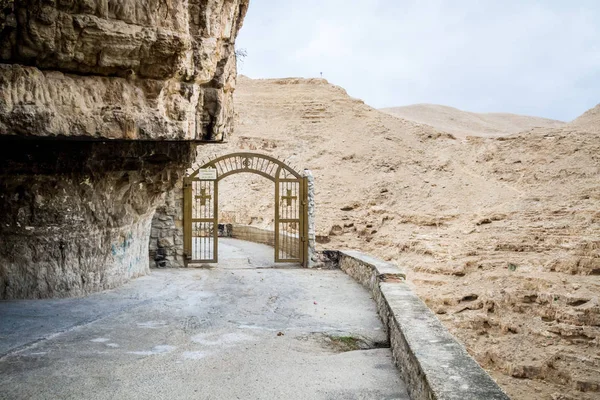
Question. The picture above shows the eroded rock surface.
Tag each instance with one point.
(101, 106)
(129, 69)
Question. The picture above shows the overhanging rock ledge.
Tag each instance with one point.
(101, 107)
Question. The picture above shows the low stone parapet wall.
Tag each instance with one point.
(252, 234)
(432, 363)
(263, 236)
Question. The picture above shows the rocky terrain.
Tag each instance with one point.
(102, 104)
(500, 236)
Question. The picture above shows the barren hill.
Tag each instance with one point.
(463, 123)
(500, 236)
(589, 121)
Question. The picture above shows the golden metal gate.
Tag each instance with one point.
(201, 207)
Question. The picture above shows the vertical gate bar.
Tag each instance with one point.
(199, 215)
(208, 215)
(296, 224)
(299, 225)
(290, 215)
(203, 215)
(285, 215)
(211, 212)
(290, 225)
(300, 221)
(196, 211)
(204, 212)
(200, 225)
(295, 213)
(209, 224)
(305, 260)
(196, 216)
(187, 217)
(206, 224)
(216, 220)
(276, 219)
(287, 224)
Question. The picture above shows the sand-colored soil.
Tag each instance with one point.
(463, 123)
(588, 122)
(500, 236)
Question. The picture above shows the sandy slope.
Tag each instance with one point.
(500, 236)
(589, 121)
(463, 123)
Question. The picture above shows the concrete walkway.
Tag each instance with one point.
(238, 331)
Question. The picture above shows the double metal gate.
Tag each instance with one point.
(201, 207)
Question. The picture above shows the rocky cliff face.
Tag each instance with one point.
(130, 69)
(101, 105)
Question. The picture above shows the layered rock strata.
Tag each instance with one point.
(101, 106)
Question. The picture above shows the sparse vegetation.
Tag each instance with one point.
(346, 343)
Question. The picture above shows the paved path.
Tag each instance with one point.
(234, 332)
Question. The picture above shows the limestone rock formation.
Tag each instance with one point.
(118, 69)
(101, 106)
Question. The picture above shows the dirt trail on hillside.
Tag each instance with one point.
(500, 236)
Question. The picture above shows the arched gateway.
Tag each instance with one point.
(201, 207)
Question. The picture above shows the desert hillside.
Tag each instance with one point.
(463, 123)
(500, 236)
(588, 122)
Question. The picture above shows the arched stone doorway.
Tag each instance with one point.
(201, 207)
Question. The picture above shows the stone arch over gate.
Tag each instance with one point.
(291, 207)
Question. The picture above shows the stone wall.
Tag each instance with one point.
(75, 215)
(101, 106)
(313, 257)
(432, 363)
(167, 230)
(263, 236)
(253, 234)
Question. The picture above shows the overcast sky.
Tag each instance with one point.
(527, 57)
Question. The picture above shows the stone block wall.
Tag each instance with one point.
(167, 230)
(432, 363)
(253, 234)
(263, 236)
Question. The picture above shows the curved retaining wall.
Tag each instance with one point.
(431, 361)
(263, 236)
